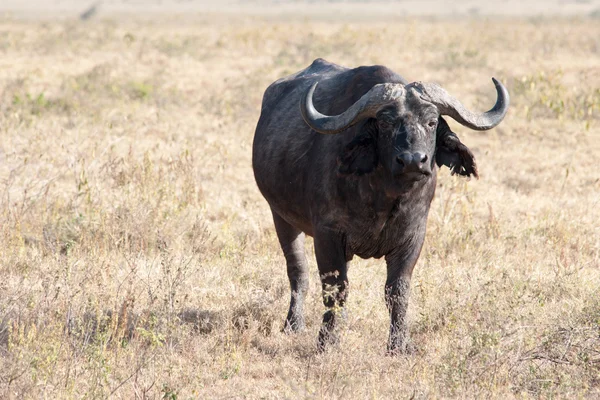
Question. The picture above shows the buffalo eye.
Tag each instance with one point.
(384, 125)
(385, 121)
(432, 123)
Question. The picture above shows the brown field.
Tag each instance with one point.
(139, 260)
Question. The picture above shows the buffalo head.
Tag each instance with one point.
(403, 132)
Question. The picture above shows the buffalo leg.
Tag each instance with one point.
(292, 244)
(332, 263)
(396, 297)
(397, 291)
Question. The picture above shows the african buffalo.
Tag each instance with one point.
(359, 178)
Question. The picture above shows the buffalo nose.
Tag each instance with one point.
(412, 162)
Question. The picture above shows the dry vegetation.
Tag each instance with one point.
(138, 259)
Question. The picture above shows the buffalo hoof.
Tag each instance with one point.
(401, 349)
(327, 339)
(292, 326)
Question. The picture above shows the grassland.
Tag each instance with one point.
(138, 259)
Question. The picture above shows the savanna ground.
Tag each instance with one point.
(138, 259)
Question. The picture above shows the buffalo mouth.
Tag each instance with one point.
(413, 176)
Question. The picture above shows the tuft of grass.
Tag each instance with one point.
(545, 95)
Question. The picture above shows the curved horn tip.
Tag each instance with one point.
(312, 88)
(306, 106)
(497, 83)
(306, 100)
(308, 95)
(500, 87)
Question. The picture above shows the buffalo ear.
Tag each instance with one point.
(359, 157)
(451, 152)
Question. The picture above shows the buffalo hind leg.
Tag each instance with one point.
(292, 244)
(332, 263)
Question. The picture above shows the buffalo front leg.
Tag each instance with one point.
(292, 244)
(331, 259)
(397, 290)
(396, 298)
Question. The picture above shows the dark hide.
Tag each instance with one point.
(359, 157)
(345, 189)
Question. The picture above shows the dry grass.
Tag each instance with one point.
(138, 259)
